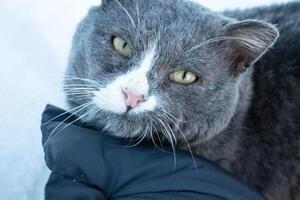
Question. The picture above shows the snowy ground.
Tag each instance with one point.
(35, 41)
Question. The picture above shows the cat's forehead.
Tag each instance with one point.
(171, 18)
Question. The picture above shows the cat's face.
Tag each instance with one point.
(161, 67)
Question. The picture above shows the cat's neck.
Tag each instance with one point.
(222, 148)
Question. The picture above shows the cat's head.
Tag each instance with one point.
(149, 68)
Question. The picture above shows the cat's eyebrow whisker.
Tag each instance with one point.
(127, 13)
(137, 7)
(160, 29)
(217, 39)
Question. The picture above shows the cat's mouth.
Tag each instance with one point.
(124, 102)
(147, 104)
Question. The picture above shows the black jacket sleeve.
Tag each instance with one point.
(68, 188)
(88, 164)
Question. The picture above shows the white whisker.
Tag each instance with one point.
(158, 136)
(152, 137)
(144, 134)
(218, 39)
(64, 113)
(171, 140)
(66, 88)
(72, 78)
(186, 141)
(131, 19)
(77, 119)
(138, 12)
(73, 114)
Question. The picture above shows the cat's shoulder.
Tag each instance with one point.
(276, 94)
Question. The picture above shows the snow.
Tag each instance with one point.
(35, 41)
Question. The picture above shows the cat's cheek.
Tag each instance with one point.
(110, 99)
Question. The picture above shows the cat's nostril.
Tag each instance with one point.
(132, 99)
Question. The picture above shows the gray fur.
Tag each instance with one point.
(215, 115)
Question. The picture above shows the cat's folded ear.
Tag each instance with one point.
(249, 40)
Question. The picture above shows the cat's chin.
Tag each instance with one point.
(126, 125)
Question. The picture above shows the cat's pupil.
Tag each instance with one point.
(184, 75)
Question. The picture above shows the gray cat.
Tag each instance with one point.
(171, 70)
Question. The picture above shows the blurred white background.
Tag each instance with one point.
(35, 42)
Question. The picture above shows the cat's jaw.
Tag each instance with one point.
(215, 149)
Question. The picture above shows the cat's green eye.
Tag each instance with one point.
(183, 77)
(121, 47)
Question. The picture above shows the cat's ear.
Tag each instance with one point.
(249, 40)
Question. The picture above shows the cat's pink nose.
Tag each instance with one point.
(132, 99)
